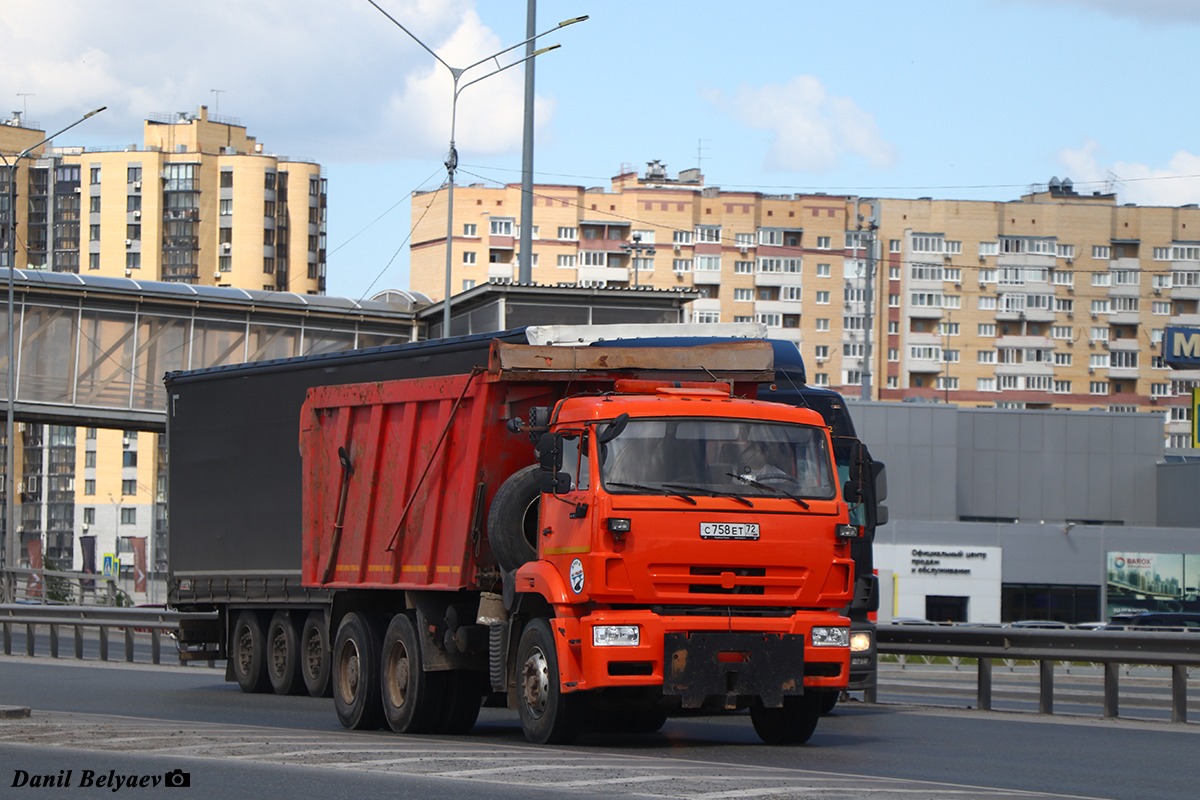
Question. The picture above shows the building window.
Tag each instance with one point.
(594, 259)
(893, 354)
(1098, 387)
(681, 265)
(681, 237)
(893, 327)
(133, 261)
(129, 516)
(470, 229)
(1062, 278)
(743, 268)
(501, 227)
(821, 379)
(468, 284)
(822, 298)
(821, 351)
(893, 273)
(1101, 252)
(986, 356)
(226, 208)
(708, 263)
(822, 325)
(129, 458)
(852, 377)
(824, 270)
(468, 257)
(566, 261)
(823, 242)
(985, 384)
(128, 487)
(770, 236)
(89, 486)
(93, 261)
(790, 293)
(770, 320)
(226, 179)
(706, 317)
(743, 295)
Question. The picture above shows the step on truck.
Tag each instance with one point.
(593, 536)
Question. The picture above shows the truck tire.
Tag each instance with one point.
(283, 655)
(513, 519)
(355, 670)
(548, 716)
(412, 698)
(314, 655)
(464, 697)
(792, 724)
(248, 652)
(829, 700)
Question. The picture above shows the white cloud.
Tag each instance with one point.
(812, 130)
(1164, 11)
(1176, 184)
(337, 81)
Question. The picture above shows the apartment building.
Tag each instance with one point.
(199, 202)
(1055, 300)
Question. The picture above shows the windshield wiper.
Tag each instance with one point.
(654, 489)
(769, 488)
(714, 492)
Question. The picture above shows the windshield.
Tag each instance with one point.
(718, 456)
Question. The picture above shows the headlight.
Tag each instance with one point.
(860, 641)
(616, 636)
(831, 637)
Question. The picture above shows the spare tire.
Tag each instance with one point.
(513, 519)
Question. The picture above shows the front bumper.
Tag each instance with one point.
(697, 656)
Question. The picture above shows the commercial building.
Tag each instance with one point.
(1057, 300)
(199, 202)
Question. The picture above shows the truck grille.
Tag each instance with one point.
(680, 580)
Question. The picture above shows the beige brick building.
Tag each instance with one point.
(1055, 300)
(199, 202)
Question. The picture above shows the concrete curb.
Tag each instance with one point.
(14, 712)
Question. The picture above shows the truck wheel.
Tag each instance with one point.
(283, 655)
(647, 720)
(314, 655)
(412, 698)
(464, 697)
(548, 716)
(829, 700)
(792, 724)
(355, 670)
(513, 519)
(247, 651)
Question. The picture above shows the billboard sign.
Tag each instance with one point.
(1181, 347)
(1153, 582)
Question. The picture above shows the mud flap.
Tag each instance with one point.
(769, 665)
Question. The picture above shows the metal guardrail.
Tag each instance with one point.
(57, 587)
(1046, 646)
(106, 620)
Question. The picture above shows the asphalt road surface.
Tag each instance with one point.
(146, 721)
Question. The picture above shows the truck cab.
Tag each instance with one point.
(695, 544)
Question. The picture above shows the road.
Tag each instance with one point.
(148, 720)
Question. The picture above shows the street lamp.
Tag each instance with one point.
(637, 249)
(452, 156)
(8, 555)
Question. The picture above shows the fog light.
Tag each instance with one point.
(847, 531)
(860, 641)
(831, 637)
(618, 525)
(616, 636)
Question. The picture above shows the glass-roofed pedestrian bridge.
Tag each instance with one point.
(94, 350)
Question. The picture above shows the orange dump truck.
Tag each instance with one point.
(598, 535)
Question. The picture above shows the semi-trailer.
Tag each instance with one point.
(583, 532)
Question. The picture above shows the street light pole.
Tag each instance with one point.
(635, 250)
(9, 553)
(456, 74)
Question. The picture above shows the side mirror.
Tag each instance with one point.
(549, 450)
(612, 430)
(852, 492)
(555, 483)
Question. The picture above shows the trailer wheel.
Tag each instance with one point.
(464, 697)
(513, 519)
(792, 724)
(412, 697)
(355, 666)
(314, 656)
(548, 716)
(248, 651)
(283, 655)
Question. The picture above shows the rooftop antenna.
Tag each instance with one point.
(25, 103)
(700, 154)
(217, 101)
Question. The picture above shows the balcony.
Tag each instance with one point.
(609, 274)
(1185, 293)
(777, 279)
(777, 307)
(706, 277)
(1123, 373)
(1186, 320)
(924, 367)
(500, 271)
(1123, 318)
(1125, 344)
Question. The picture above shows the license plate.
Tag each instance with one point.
(729, 530)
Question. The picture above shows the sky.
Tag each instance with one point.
(957, 99)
